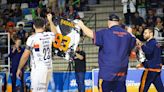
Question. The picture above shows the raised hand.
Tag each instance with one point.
(49, 17)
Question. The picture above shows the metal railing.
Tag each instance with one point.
(5, 54)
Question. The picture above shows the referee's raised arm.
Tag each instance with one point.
(52, 26)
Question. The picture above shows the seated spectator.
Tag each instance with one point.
(144, 25)
(39, 12)
(71, 13)
(140, 32)
(151, 18)
(158, 27)
(21, 33)
(138, 20)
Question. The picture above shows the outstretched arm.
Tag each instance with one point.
(87, 31)
(52, 26)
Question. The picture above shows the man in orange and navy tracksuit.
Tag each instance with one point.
(152, 64)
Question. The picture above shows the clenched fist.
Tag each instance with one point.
(49, 17)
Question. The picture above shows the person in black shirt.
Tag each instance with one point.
(80, 69)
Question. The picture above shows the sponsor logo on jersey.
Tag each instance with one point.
(67, 23)
(36, 47)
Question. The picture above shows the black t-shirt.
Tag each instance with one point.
(80, 65)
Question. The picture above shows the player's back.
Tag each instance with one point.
(41, 49)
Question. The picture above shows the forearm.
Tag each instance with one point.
(87, 31)
(79, 56)
(52, 27)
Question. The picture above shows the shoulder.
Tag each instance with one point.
(102, 30)
(31, 38)
(82, 52)
(49, 33)
(152, 42)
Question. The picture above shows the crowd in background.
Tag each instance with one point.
(13, 11)
(140, 14)
(137, 14)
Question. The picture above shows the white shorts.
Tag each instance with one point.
(40, 79)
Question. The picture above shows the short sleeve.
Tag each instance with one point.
(29, 43)
(98, 38)
(133, 42)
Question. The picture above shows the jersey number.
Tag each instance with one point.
(46, 52)
(61, 42)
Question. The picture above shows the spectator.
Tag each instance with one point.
(80, 69)
(158, 28)
(15, 55)
(140, 32)
(144, 25)
(151, 18)
(138, 20)
(72, 14)
(129, 10)
(21, 33)
(39, 12)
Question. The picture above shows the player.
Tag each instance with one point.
(38, 46)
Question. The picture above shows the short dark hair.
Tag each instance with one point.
(39, 22)
(20, 25)
(151, 29)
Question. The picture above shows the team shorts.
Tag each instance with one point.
(40, 79)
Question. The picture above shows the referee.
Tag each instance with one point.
(115, 45)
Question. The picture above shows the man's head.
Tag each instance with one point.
(148, 33)
(150, 12)
(17, 42)
(78, 48)
(20, 26)
(113, 20)
(38, 23)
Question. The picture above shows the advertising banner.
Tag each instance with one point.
(63, 82)
(132, 81)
